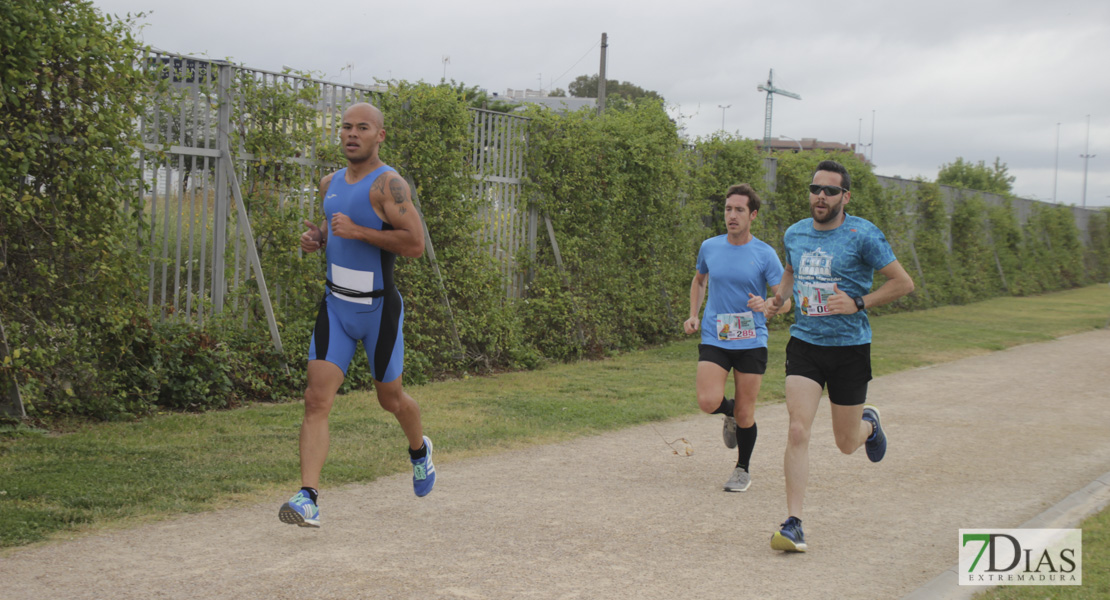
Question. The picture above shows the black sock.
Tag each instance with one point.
(727, 407)
(419, 453)
(312, 493)
(745, 443)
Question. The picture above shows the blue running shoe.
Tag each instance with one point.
(300, 510)
(424, 472)
(876, 444)
(790, 538)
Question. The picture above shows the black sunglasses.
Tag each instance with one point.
(830, 190)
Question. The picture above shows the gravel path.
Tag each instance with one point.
(989, 441)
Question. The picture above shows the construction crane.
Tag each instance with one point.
(771, 90)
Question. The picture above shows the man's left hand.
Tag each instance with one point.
(840, 303)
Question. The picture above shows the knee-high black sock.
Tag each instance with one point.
(727, 407)
(745, 443)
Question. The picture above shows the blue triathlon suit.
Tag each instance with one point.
(734, 272)
(343, 321)
(847, 256)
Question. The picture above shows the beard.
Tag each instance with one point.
(832, 212)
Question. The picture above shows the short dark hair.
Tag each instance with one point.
(835, 167)
(743, 189)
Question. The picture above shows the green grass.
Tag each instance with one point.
(120, 474)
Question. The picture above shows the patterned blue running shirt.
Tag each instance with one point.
(847, 256)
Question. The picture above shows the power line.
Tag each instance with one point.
(587, 53)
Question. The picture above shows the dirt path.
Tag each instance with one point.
(984, 442)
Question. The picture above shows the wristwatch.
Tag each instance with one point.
(859, 302)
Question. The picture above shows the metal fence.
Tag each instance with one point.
(508, 224)
(196, 168)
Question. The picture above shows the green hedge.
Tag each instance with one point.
(629, 201)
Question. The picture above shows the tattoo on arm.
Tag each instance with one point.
(400, 192)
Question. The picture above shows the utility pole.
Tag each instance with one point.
(871, 146)
(723, 108)
(1085, 156)
(446, 61)
(1056, 168)
(601, 74)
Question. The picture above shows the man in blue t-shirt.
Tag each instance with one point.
(831, 260)
(738, 268)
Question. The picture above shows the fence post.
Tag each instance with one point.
(252, 257)
(11, 403)
(566, 278)
(223, 144)
(435, 267)
(533, 218)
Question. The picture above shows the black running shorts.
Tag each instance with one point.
(844, 369)
(751, 360)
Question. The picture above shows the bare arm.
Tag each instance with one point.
(770, 309)
(780, 302)
(697, 295)
(391, 199)
(898, 283)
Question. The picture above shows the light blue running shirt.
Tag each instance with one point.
(734, 272)
(847, 256)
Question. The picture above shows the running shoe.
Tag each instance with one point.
(790, 538)
(424, 472)
(739, 482)
(729, 431)
(876, 444)
(300, 510)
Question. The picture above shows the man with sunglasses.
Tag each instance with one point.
(830, 263)
(738, 268)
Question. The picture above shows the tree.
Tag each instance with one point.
(995, 178)
(585, 86)
(557, 93)
(69, 99)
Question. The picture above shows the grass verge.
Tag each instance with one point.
(119, 474)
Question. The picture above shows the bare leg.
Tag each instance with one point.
(747, 391)
(850, 429)
(710, 386)
(324, 379)
(802, 398)
(393, 398)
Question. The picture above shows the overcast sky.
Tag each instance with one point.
(977, 79)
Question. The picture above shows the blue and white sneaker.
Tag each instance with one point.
(790, 538)
(876, 444)
(424, 472)
(300, 510)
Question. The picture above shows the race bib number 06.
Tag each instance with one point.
(813, 298)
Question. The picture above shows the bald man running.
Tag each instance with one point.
(369, 219)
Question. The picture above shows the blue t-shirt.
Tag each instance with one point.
(847, 256)
(735, 271)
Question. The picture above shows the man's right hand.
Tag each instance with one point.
(313, 239)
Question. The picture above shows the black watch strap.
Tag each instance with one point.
(859, 302)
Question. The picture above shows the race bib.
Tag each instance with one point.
(813, 298)
(736, 326)
(359, 281)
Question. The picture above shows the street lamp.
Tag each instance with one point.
(723, 108)
(1085, 156)
(793, 140)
